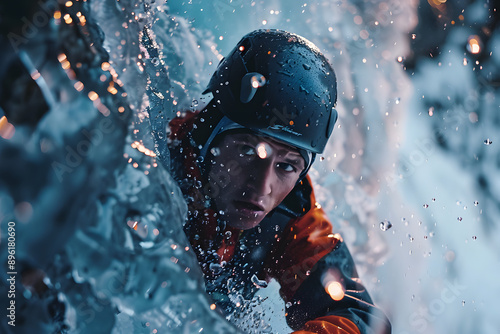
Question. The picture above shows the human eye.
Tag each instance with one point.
(246, 150)
(287, 167)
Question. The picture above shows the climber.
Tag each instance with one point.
(242, 162)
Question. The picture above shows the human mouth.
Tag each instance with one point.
(248, 207)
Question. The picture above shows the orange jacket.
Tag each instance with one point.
(317, 275)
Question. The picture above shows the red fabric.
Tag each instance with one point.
(228, 246)
(304, 242)
(330, 324)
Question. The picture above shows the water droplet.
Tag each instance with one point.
(215, 151)
(398, 100)
(459, 219)
(228, 234)
(288, 305)
(463, 302)
(308, 273)
(474, 237)
(426, 206)
(303, 89)
(385, 225)
(195, 103)
(215, 268)
(488, 142)
(433, 199)
(306, 67)
(476, 203)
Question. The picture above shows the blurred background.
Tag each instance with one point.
(410, 177)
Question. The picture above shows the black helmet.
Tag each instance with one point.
(280, 85)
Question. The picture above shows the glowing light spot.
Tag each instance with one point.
(212, 307)
(262, 151)
(436, 3)
(65, 65)
(61, 57)
(241, 48)
(258, 81)
(57, 14)
(68, 19)
(335, 236)
(474, 44)
(132, 224)
(121, 109)
(264, 22)
(93, 96)
(6, 129)
(141, 148)
(112, 89)
(335, 290)
(400, 59)
(35, 75)
(68, 3)
(78, 86)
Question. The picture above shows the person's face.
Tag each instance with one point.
(250, 175)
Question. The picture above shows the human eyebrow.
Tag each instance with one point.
(296, 160)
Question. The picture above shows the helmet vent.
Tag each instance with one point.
(244, 47)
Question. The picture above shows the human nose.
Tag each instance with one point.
(262, 177)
